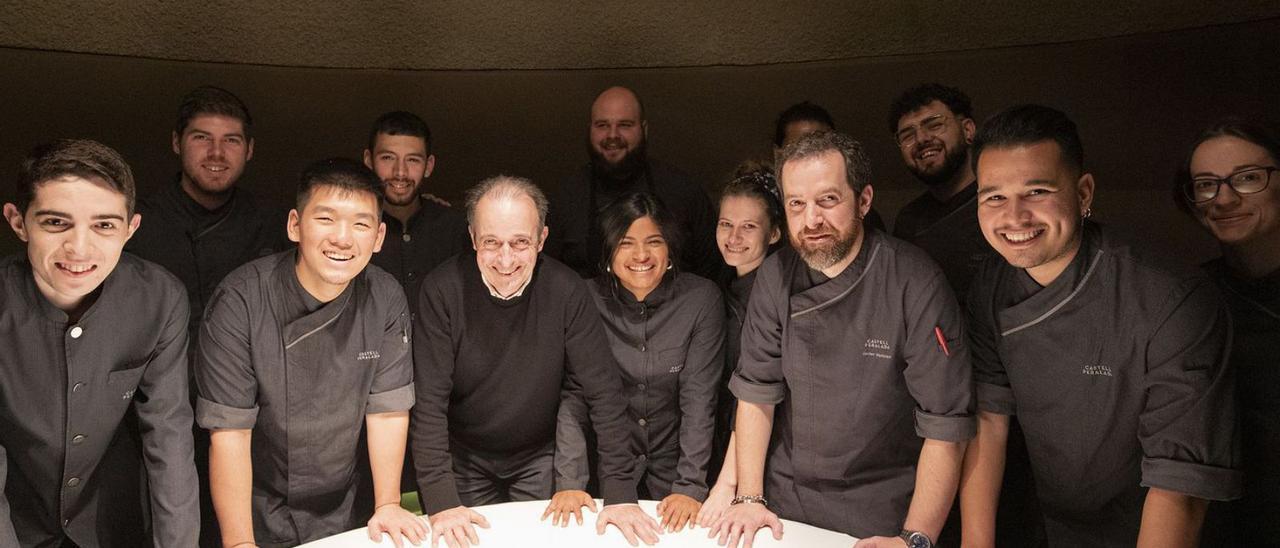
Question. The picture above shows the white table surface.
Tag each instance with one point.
(517, 524)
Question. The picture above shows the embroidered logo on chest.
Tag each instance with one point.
(877, 348)
(1097, 370)
(368, 355)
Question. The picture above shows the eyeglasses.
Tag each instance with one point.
(931, 126)
(1246, 181)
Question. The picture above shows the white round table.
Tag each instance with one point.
(518, 524)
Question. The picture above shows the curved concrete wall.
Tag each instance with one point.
(1137, 100)
(581, 34)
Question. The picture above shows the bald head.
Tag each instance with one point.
(617, 127)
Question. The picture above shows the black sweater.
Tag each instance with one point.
(489, 373)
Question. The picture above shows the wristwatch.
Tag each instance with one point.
(915, 539)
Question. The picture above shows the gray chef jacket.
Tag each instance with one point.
(303, 375)
(859, 374)
(1118, 372)
(669, 349)
(84, 408)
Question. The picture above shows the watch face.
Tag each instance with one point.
(918, 540)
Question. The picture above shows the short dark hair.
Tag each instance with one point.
(756, 180)
(400, 122)
(1030, 124)
(1231, 126)
(342, 173)
(857, 168)
(206, 100)
(83, 158)
(922, 95)
(617, 217)
(803, 111)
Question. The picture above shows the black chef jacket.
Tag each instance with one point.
(948, 232)
(1117, 371)
(856, 364)
(435, 233)
(302, 374)
(1255, 347)
(201, 247)
(669, 350)
(575, 235)
(84, 408)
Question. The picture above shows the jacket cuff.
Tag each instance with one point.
(214, 416)
(995, 399)
(1197, 480)
(692, 491)
(399, 399)
(617, 491)
(439, 497)
(945, 427)
(767, 394)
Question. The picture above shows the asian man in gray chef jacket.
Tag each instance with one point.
(1115, 363)
(298, 350)
(855, 337)
(90, 336)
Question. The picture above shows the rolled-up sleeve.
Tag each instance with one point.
(938, 373)
(991, 382)
(392, 389)
(1188, 427)
(226, 385)
(758, 377)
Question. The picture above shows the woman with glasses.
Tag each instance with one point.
(1229, 183)
(748, 230)
(666, 330)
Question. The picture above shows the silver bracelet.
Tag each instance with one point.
(758, 499)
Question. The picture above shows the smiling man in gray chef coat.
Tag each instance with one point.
(855, 337)
(1114, 362)
(298, 351)
(90, 335)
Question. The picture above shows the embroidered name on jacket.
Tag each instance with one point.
(1100, 370)
(368, 355)
(877, 348)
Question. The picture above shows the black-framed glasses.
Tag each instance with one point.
(931, 126)
(1246, 181)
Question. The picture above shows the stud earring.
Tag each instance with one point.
(670, 265)
(1088, 212)
(608, 268)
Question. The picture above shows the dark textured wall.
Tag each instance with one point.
(581, 34)
(1137, 100)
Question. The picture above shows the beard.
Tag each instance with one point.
(396, 200)
(822, 256)
(954, 161)
(626, 169)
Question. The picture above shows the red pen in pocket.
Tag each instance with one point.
(942, 341)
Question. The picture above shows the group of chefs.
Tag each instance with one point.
(1000, 370)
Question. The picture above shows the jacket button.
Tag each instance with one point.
(643, 422)
(407, 237)
(642, 347)
(77, 386)
(641, 386)
(77, 439)
(73, 482)
(66, 522)
(76, 332)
